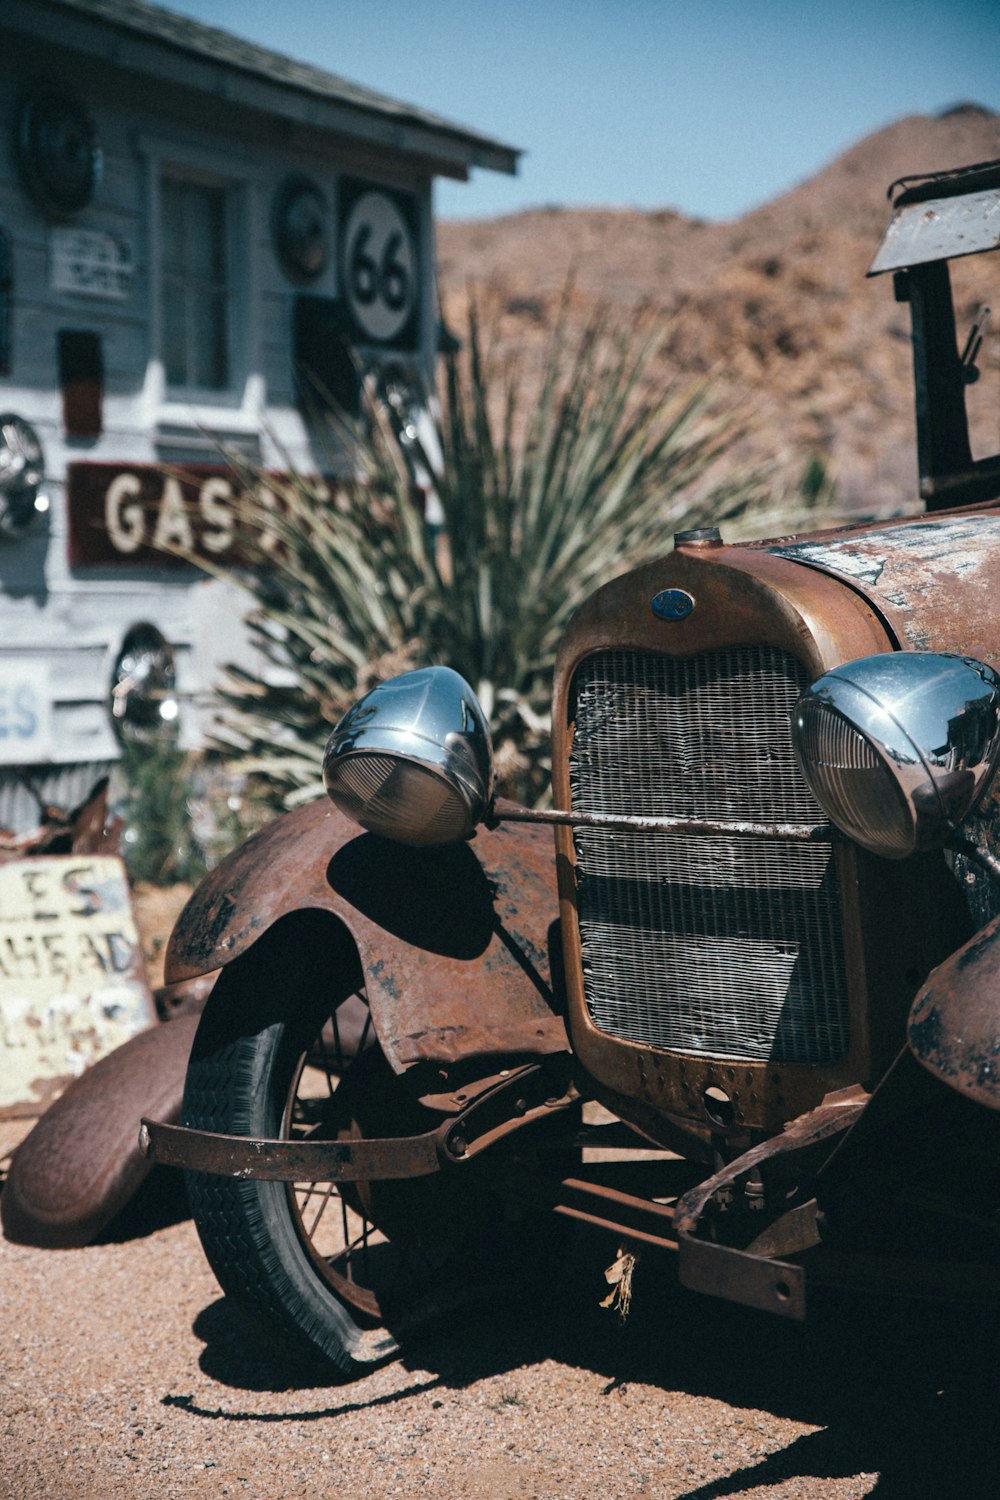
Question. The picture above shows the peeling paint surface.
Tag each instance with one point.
(939, 228)
(834, 557)
(72, 978)
(935, 580)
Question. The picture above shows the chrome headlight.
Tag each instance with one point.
(899, 747)
(412, 760)
(144, 686)
(22, 468)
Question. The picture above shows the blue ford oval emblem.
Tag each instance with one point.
(672, 604)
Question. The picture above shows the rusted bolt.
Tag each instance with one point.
(520, 1106)
(457, 1144)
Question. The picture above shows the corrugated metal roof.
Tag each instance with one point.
(154, 24)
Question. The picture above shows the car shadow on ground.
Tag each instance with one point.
(899, 1389)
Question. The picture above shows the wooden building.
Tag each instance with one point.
(197, 236)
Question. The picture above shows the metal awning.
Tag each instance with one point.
(941, 217)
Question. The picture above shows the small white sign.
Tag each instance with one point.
(379, 267)
(25, 714)
(72, 979)
(91, 263)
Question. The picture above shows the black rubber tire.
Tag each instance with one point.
(441, 1236)
(264, 1014)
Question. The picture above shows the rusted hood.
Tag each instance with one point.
(934, 580)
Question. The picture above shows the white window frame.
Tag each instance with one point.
(220, 283)
(241, 404)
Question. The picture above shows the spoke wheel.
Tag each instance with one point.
(381, 1247)
(286, 1049)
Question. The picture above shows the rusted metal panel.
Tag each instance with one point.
(752, 1280)
(934, 580)
(740, 1272)
(939, 229)
(290, 1161)
(87, 829)
(454, 942)
(954, 1026)
(493, 1108)
(72, 978)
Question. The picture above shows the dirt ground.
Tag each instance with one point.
(126, 1374)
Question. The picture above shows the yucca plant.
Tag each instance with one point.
(548, 487)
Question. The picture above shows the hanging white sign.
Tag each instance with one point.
(90, 263)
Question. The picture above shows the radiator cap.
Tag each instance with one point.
(699, 536)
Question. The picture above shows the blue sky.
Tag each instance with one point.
(707, 107)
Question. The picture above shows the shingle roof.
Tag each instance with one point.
(152, 23)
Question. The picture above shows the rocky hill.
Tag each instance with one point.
(777, 299)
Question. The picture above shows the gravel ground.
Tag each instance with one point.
(126, 1374)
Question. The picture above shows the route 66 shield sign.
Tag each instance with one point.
(379, 261)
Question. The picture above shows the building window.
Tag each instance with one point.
(195, 284)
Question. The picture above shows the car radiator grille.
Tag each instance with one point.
(708, 945)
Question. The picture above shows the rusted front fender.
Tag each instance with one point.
(454, 942)
(954, 1024)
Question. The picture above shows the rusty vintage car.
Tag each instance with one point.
(745, 1013)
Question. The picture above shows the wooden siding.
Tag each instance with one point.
(73, 623)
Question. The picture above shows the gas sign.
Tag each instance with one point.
(149, 516)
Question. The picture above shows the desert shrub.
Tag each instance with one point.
(550, 482)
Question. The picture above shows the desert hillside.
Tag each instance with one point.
(778, 299)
